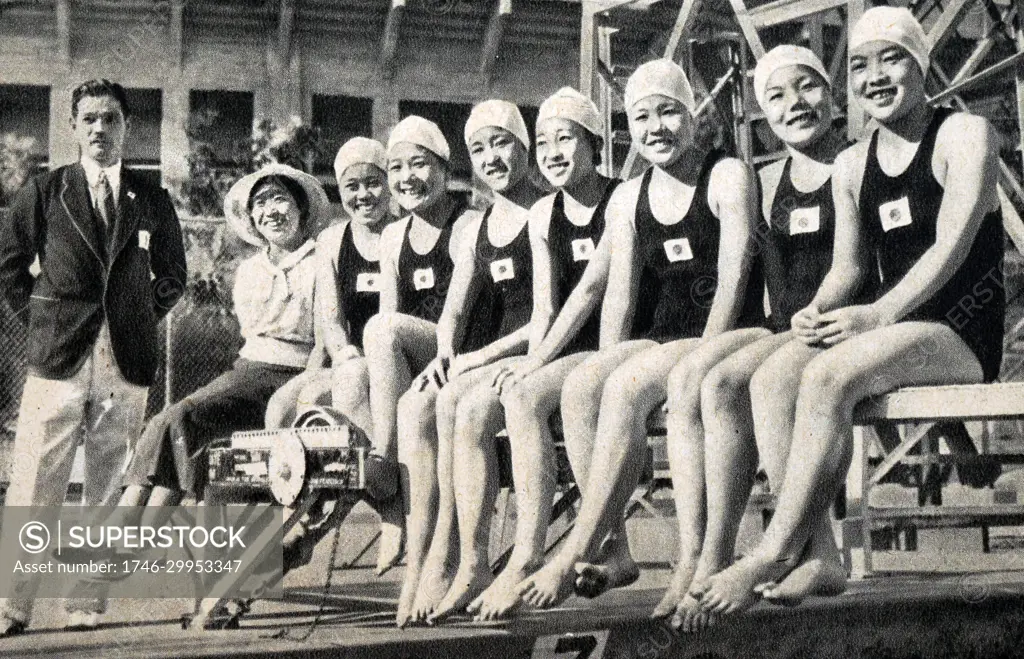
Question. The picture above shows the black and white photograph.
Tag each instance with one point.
(527, 329)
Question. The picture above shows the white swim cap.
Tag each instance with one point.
(779, 58)
(500, 114)
(421, 132)
(663, 77)
(895, 25)
(358, 151)
(567, 103)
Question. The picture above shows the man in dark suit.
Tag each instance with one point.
(108, 251)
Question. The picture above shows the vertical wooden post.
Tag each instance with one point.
(1018, 34)
(855, 118)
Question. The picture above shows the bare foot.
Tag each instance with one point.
(549, 586)
(392, 534)
(407, 596)
(731, 591)
(501, 597)
(815, 576)
(468, 583)
(690, 617)
(617, 569)
(677, 586)
(435, 582)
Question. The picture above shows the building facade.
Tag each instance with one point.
(348, 67)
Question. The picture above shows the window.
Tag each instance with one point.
(224, 121)
(142, 148)
(24, 135)
(339, 118)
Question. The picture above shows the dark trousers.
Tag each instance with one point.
(172, 450)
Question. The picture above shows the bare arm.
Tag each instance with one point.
(390, 247)
(452, 324)
(620, 293)
(734, 202)
(329, 312)
(851, 258)
(543, 280)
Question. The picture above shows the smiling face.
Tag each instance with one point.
(499, 159)
(417, 178)
(276, 215)
(886, 80)
(565, 152)
(797, 105)
(100, 129)
(660, 128)
(364, 193)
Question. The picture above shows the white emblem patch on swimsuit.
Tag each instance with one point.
(678, 250)
(895, 214)
(144, 239)
(582, 249)
(804, 220)
(502, 269)
(423, 278)
(368, 282)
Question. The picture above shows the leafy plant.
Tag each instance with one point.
(19, 158)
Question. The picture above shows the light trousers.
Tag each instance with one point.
(95, 406)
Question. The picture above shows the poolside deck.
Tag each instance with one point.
(894, 616)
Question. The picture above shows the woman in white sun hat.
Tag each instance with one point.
(279, 210)
(922, 192)
(485, 323)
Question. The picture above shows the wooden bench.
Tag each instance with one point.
(929, 414)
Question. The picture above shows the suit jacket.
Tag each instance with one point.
(131, 284)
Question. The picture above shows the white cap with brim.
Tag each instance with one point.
(896, 25)
(421, 132)
(236, 202)
(499, 114)
(567, 103)
(662, 77)
(779, 58)
(360, 151)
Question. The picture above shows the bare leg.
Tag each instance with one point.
(581, 395)
(349, 387)
(282, 405)
(528, 410)
(685, 444)
(417, 454)
(350, 394)
(773, 390)
(478, 418)
(730, 461)
(629, 395)
(397, 347)
(832, 384)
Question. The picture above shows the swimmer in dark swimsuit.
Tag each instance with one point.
(680, 260)
(923, 192)
(485, 321)
(712, 452)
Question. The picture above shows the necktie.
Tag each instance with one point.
(107, 209)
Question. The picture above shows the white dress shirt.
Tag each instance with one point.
(92, 175)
